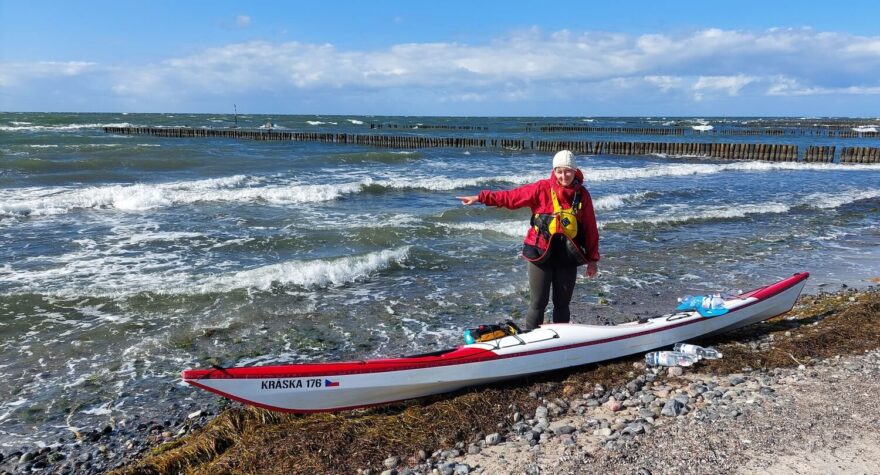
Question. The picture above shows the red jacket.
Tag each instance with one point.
(536, 196)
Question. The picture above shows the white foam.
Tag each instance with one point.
(315, 122)
(702, 128)
(509, 228)
(606, 203)
(442, 183)
(356, 122)
(836, 200)
(141, 197)
(93, 145)
(34, 128)
(863, 129)
(101, 410)
(703, 213)
(317, 273)
(596, 174)
(162, 236)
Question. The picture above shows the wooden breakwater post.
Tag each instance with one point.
(819, 154)
(728, 151)
(860, 155)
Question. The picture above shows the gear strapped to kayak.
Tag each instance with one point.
(561, 221)
(485, 333)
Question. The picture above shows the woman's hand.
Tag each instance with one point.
(467, 200)
(592, 269)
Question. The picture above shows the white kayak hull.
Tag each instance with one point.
(347, 385)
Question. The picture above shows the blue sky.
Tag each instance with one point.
(443, 58)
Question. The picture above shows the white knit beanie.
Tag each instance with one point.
(564, 159)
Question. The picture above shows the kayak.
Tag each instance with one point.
(321, 387)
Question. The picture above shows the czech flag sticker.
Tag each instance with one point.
(330, 384)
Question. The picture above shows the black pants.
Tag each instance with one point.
(560, 276)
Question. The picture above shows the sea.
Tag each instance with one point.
(125, 259)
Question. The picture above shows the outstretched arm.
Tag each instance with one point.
(468, 200)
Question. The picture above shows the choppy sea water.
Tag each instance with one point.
(126, 259)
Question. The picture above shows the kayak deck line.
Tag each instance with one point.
(322, 387)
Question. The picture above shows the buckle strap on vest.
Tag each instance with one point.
(559, 220)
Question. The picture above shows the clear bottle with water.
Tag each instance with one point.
(697, 351)
(689, 302)
(669, 358)
(716, 302)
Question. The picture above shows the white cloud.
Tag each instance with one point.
(666, 83)
(12, 74)
(783, 86)
(242, 21)
(731, 85)
(524, 66)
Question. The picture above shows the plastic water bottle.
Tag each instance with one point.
(669, 358)
(469, 337)
(689, 302)
(732, 294)
(697, 351)
(716, 301)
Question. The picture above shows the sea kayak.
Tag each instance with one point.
(319, 387)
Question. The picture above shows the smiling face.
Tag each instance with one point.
(564, 175)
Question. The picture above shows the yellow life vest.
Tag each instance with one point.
(562, 221)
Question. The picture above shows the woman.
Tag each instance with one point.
(563, 235)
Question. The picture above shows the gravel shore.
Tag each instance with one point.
(816, 418)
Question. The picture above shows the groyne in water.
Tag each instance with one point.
(428, 126)
(613, 130)
(729, 151)
(772, 132)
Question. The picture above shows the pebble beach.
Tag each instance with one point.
(816, 419)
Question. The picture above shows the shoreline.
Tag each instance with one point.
(201, 442)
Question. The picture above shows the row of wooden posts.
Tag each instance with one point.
(685, 131)
(844, 134)
(429, 126)
(731, 151)
(613, 130)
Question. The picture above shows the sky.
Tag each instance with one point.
(451, 57)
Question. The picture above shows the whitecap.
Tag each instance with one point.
(141, 197)
(728, 212)
(309, 274)
(836, 200)
(139, 238)
(606, 203)
(33, 128)
(356, 122)
(509, 228)
(865, 129)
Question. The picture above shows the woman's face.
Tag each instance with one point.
(564, 176)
